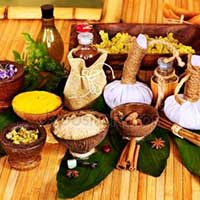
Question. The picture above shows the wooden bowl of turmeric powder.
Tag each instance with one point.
(37, 106)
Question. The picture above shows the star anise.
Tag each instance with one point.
(158, 143)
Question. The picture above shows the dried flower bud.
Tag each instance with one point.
(71, 173)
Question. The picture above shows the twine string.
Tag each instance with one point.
(192, 86)
(132, 63)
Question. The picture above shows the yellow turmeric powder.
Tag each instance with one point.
(36, 102)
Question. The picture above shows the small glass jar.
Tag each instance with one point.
(164, 79)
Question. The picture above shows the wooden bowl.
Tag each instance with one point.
(134, 130)
(10, 87)
(40, 118)
(83, 146)
(23, 156)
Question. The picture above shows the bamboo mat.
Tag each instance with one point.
(40, 183)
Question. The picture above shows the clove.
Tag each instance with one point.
(84, 163)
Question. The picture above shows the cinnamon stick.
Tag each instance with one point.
(121, 164)
(136, 155)
(186, 134)
(131, 151)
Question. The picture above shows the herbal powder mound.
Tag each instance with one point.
(36, 102)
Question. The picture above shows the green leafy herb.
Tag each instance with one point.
(41, 71)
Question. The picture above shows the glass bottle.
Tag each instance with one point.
(49, 34)
(85, 49)
(164, 79)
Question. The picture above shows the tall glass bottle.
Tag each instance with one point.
(49, 34)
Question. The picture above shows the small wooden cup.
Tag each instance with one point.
(83, 146)
(134, 130)
(23, 156)
(9, 88)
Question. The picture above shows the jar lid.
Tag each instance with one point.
(163, 65)
(47, 11)
(85, 38)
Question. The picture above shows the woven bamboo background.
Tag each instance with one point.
(40, 183)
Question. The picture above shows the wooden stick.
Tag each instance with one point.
(188, 135)
(131, 151)
(121, 164)
(136, 155)
(182, 131)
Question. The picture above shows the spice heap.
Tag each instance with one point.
(78, 127)
(135, 118)
(7, 71)
(120, 44)
(22, 136)
(36, 102)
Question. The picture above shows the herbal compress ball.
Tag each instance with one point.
(184, 109)
(128, 89)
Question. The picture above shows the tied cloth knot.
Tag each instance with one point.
(90, 76)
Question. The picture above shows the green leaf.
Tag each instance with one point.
(6, 118)
(69, 188)
(28, 38)
(17, 57)
(152, 161)
(37, 60)
(100, 105)
(190, 155)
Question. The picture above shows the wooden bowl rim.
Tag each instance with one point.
(41, 114)
(134, 104)
(38, 142)
(80, 113)
(20, 71)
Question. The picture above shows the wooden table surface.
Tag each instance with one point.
(40, 183)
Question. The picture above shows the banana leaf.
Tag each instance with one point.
(69, 187)
(190, 155)
(6, 118)
(150, 161)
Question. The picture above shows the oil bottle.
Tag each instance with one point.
(164, 81)
(49, 34)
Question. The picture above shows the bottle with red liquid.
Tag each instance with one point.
(85, 49)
